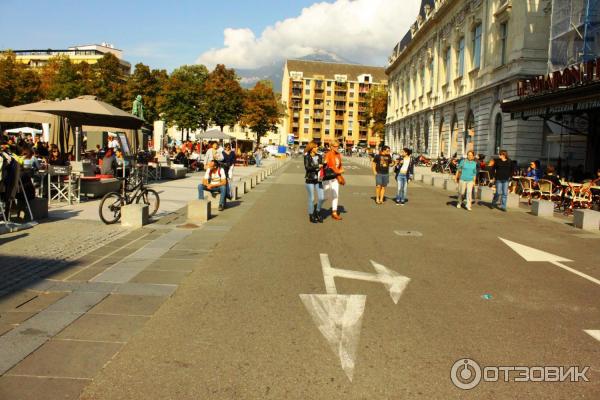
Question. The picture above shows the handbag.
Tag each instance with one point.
(341, 180)
(329, 174)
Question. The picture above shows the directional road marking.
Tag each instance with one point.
(594, 334)
(339, 317)
(533, 255)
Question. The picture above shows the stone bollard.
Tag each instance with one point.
(198, 211)
(542, 208)
(240, 189)
(427, 179)
(439, 181)
(252, 182)
(588, 220)
(418, 177)
(134, 215)
(513, 200)
(451, 185)
(258, 178)
(485, 194)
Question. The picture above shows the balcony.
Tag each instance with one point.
(316, 135)
(318, 106)
(340, 106)
(296, 105)
(362, 137)
(297, 85)
(295, 125)
(319, 96)
(339, 98)
(296, 95)
(341, 87)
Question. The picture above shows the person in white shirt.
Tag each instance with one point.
(215, 181)
(113, 143)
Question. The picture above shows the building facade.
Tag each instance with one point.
(450, 73)
(77, 54)
(328, 102)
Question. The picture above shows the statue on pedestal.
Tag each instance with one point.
(138, 107)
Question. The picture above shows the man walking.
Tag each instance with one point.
(404, 172)
(465, 177)
(381, 169)
(502, 169)
(215, 181)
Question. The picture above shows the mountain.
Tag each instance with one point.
(274, 71)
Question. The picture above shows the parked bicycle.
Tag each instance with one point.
(135, 192)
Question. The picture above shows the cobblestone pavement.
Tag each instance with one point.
(30, 255)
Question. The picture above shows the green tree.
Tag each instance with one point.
(18, 84)
(180, 102)
(378, 98)
(109, 82)
(262, 111)
(224, 97)
(60, 79)
(27, 86)
(149, 85)
(8, 77)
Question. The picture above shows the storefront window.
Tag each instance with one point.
(498, 134)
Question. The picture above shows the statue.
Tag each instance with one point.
(138, 107)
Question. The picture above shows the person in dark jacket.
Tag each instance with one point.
(312, 164)
(228, 164)
(502, 169)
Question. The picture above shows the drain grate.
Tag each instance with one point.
(408, 233)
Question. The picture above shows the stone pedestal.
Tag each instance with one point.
(134, 215)
(451, 186)
(513, 200)
(418, 177)
(588, 220)
(198, 211)
(485, 194)
(439, 181)
(240, 189)
(542, 208)
(427, 179)
(252, 182)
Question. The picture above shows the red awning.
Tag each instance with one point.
(349, 141)
(372, 142)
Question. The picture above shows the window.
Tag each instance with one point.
(431, 75)
(328, 112)
(477, 47)
(307, 82)
(307, 101)
(423, 80)
(307, 91)
(306, 120)
(498, 133)
(460, 52)
(351, 113)
(327, 131)
(327, 121)
(305, 130)
(408, 91)
(306, 111)
(352, 85)
(351, 104)
(448, 64)
(328, 83)
(329, 93)
(503, 38)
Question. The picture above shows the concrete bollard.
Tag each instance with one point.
(427, 179)
(198, 211)
(485, 194)
(439, 181)
(451, 185)
(134, 215)
(252, 182)
(418, 177)
(588, 220)
(240, 189)
(513, 200)
(258, 178)
(542, 208)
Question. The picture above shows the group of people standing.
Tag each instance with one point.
(219, 165)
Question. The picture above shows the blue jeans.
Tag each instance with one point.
(402, 195)
(310, 188)
(257, 159)
(221, 189)
(501, 190)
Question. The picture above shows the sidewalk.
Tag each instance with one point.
(56, 334)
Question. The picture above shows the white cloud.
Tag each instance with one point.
(363, 31)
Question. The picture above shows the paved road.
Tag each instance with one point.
(237, 327)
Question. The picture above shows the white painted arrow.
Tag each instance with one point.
(533, 255)
(339, 317)
(594, 334)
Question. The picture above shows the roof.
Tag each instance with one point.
(408, 36)
(329, 69)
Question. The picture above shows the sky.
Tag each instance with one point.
(240, 34)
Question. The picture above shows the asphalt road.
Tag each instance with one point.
(237, 328)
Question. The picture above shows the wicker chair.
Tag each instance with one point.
(527, 189)
(578, 197)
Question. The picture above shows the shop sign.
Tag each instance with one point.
(560, 109)
(572, 76)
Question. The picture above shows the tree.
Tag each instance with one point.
(149, 85)
(18, 84)
(224, 97)
(378, 98)
(181, 99)
(60, 79)
(109, 83)
(27, 86)
(261, 110)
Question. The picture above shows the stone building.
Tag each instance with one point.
(450, 73)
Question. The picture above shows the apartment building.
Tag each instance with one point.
(452, 70)
(328, 102)
(77, 54)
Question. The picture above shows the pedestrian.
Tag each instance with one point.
(214, 182)
(381, 169)
(258, 155)
(502, 169)
(332, 177)
(405, 170)
(313, 162)
(228, 164)
(466, 174)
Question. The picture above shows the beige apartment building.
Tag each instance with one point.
(450, 73)
(328, 102)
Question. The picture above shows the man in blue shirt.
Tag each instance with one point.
(465, 177)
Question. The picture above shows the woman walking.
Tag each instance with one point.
(332, 178)
(312, 164)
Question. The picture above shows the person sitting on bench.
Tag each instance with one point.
(215, 181)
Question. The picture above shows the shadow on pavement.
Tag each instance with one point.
(11, 238)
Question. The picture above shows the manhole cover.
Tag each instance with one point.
(408, 233)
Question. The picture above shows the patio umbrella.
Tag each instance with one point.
(19, 114)
(214, 134)
(26, 130)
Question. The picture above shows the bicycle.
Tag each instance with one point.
(111, 203)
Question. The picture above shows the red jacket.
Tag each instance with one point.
(330, 159)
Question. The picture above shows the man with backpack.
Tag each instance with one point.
(381, 169)
(215, 181)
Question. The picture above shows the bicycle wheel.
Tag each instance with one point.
(110, 208)
(149, 197)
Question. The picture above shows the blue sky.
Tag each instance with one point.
(166, 34)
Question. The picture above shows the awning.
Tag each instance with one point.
(349, 141)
